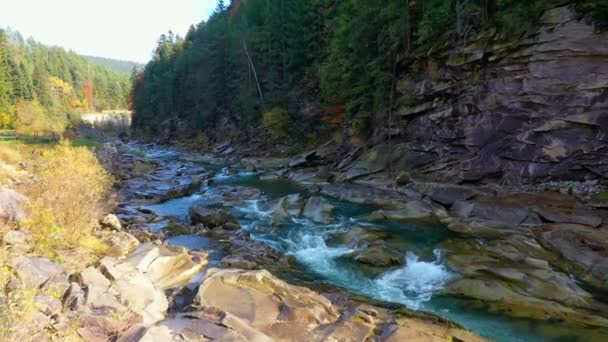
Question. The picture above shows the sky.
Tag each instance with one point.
(120, 29)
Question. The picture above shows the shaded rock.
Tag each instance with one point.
(448, 194)
(20, 241)
(403, 179)
(74, 297)
(111, 221)
(167, 266)
(211, 218)
(102, 325)
(318, 209)
(12, 205)
(307, 176)
(415, 212)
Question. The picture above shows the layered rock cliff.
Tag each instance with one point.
(513, 110)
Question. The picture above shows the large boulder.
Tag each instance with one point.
(12, 205)
(167, 266)
(210, 218)
(266, 303)
(135, 290)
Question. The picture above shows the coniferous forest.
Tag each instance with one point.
(265, 62)
(44, 88)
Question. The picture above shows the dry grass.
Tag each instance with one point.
(70, 193)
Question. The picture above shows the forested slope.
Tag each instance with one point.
(120, 66)
(313, 64)
(44, 88)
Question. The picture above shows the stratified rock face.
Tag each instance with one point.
(513, 109)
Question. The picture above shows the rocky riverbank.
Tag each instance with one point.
(149, 290)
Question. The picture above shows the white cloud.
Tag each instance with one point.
(122, 29)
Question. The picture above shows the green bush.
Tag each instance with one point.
(276, 123)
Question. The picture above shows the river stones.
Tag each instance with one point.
(210, 218)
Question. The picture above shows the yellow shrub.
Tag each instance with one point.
(276, 123)
(71, 192)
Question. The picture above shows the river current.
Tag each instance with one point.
(417, 285)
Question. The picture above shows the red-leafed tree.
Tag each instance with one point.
(89, 95)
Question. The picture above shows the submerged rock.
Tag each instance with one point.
(378, 255)
(288, 206)
(318, 209)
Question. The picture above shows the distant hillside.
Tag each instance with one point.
(124, 67)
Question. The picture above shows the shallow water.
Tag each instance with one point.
(416, 285)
